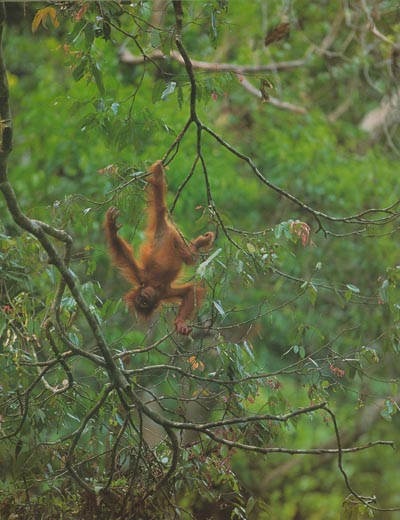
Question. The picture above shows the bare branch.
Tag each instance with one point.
(272, 100)
(127, 57)
(239, 70)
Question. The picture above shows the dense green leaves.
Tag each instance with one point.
(302, 303)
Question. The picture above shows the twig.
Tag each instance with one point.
(42, 231)
(271, 100)
(239, 70)
(127, 57)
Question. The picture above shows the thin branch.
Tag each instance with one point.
(372, 26)
(290, 451)
(272, 100)
(240, 71)
(128, 58)
(357, 219)
(206, 428)
(68, 462)
(367, 501)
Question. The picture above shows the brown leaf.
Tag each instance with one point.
(277, 33)
(41, 18)
(264, 85)
(53, 17)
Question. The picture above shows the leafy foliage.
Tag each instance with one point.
(296, 349)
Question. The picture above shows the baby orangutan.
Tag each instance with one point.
(161, 258)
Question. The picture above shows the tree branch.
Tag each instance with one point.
(127, 57)
(41, 230)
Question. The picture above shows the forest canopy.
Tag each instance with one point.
(276, 124)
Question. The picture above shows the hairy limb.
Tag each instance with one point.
(121, 252)
(191, 297)
(192, 251)
(157, 196)
(189, 253)
(203, 241)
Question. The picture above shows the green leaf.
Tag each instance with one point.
(98, 78)
(158, 89)
(341, 299)
(250, 505)
(218, 306)
(2, 324)
(90, 31)
(383, 291)
(214, 31)
(388, 410)
(201, 270)
(169, 89)
(40, 416)
(312, 292)
(73, 417)
(353, 288)
(115, 108)
(278, 231)
(251, 249)
(80, 69)
(74, 339)
(248, 350)
(155, 39)
(347, 295)
(370, 355)
(180, 97)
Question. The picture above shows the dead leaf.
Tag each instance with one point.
(277, 33)
(41, 18)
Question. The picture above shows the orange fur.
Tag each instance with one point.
(161, 258)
